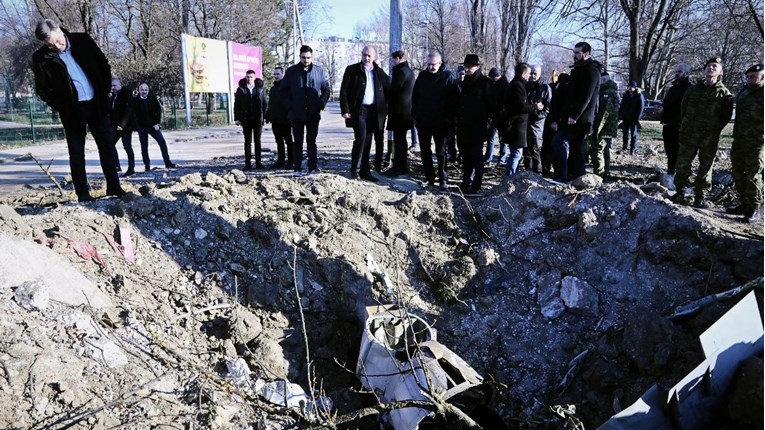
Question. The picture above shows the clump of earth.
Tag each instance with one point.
(211, 285)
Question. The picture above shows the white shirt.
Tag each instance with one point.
(81, 83)
(369, 90)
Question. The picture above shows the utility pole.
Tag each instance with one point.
(396, 26)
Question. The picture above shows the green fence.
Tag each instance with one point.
(29, 121)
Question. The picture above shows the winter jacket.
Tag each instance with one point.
(705, 110)
(434, 99)
(277, 110)
(250, 106)
(400, 97)
(607, 119)
(148, 112)
(631, 108)
(670, 113)
(304, 92)
(352, 92)
(476, 107)
(55, 87)
(122, 110)
(581, 98)
(538, 92)
(517, 108)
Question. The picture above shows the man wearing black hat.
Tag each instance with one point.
(475, 109)
(577, 114)
(630, 111)
(705, 110)
(670, 114)
(746, 153)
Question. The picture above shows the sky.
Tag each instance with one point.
(342, 16)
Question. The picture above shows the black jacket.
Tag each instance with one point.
(54, 86)
(304, 93)
(434, 99)
(670, 113)
(148, 112)
(400, 97)
(277, 111)
(476, 107)
(582, 95)
(538, 92)
(250, 107)
(631, 107)
(352, 92)
(122, 110)
(517, 109)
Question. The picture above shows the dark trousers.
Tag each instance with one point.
(311, 131)
(400, 152)
(379, 148)
(532, 159)
(363, 133)
(143, 137)
(283, 138)
(671, 135)
(546, 153)
(568, 148)
(438, 135)
(252, 135)
(100, 128)
(629, 135)
(127, 143)
(471, 151)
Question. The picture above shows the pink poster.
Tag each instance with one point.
(244, 58)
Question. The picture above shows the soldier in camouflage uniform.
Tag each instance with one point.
(746, 154)
(706, 108)
(606, 126)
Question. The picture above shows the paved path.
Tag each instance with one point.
(186, 147)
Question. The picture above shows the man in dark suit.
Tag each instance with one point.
(123, 121)
(276, 114)
(363, 104)
(249, 111)
(577, 114)
(400, 111)
(73, 77)
(517, 109)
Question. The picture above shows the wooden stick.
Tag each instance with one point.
(47, 172)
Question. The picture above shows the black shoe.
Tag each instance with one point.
(85, 199)
(130, 172)
(119, 192)
(465, 188)
(679, 198)
(474, 190)
(443, 187)
(754, 215)
(699, 202)
(260, 166)
(367, 176)
(246, 168)
(737, 210)
(171, 166)
(354, 175)
(392, 173)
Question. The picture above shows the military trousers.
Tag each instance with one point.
(747, 168)
(706, 149)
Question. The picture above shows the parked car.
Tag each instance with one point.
(652, 110)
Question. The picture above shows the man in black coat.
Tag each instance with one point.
(475, 108)
(540, 92)
(630, 111)
(276, 114)
(148, 114)
(363, 104)
(249, 112)
(580, 104)
(305, 92)
(123, 121)
(670, 114)
(400, 119)
(73, 77)
(517, 109)
(433, 100)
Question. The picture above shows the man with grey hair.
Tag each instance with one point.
(670, 114)
(538, 92)
(73, 77)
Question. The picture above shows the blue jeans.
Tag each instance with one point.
(514, 161)
(504, 149)
(629, 133)
(568, 150)
(143, 137)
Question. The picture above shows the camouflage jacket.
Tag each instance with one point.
(749, 114)
(607, 118)
(705, 110)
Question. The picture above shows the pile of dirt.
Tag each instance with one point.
(274, 272)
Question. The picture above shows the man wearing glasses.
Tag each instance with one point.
(670, 114)
(305, 92)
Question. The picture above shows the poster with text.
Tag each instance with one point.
(207, 64)
(244, 58)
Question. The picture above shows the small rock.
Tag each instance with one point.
(239, 176)
(32, 295)
(587, 181)
(587, 224)
(486, 257)
(553, 308)
(200, 233)
(213, 179)
(578, 295)
(667, 181)
(653, 187)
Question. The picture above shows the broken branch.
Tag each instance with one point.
(47, 172)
